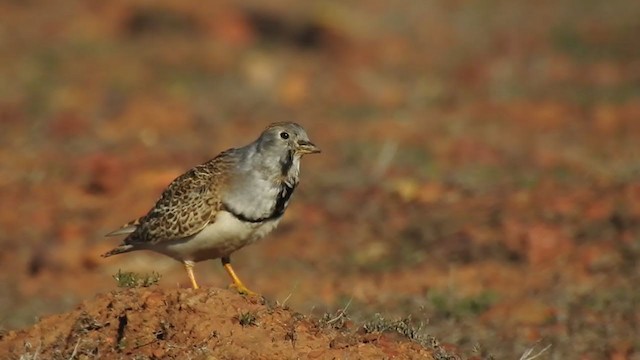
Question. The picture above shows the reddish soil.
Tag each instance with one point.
(198, 324)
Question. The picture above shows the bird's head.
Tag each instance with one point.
(286, 138)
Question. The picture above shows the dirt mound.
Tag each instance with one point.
(154, 323)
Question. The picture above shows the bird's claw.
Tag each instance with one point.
(243, 290)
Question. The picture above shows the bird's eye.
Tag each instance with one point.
(284, 135)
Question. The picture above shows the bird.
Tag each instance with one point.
(224, 204)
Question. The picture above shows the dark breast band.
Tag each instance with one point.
(282, 200)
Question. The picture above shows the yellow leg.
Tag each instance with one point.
(237, 283)
(188, 265)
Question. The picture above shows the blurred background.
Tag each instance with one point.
(480, 168)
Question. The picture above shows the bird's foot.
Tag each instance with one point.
(243, 290)
(253, 297)
(237, 283)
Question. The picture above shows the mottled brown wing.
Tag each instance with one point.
(188, 204)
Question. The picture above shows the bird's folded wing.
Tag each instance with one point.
(187, 205)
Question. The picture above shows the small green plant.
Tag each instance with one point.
(379, 324)
(405, 327)
(336, 320)
(248, 318)
(129, 279)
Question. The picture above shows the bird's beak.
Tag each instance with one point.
(307, 147)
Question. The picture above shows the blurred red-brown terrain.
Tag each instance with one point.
(480, 169)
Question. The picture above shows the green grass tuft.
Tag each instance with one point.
(248, 318)
(129, 279)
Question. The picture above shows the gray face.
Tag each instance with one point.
(282, 138)
(268, 173)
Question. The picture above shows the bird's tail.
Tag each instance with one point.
(119, 250)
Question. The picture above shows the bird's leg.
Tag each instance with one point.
(237, 283)
(188, 265)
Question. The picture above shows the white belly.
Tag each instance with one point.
(224, 236)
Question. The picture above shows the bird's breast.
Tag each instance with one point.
(260, 203)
